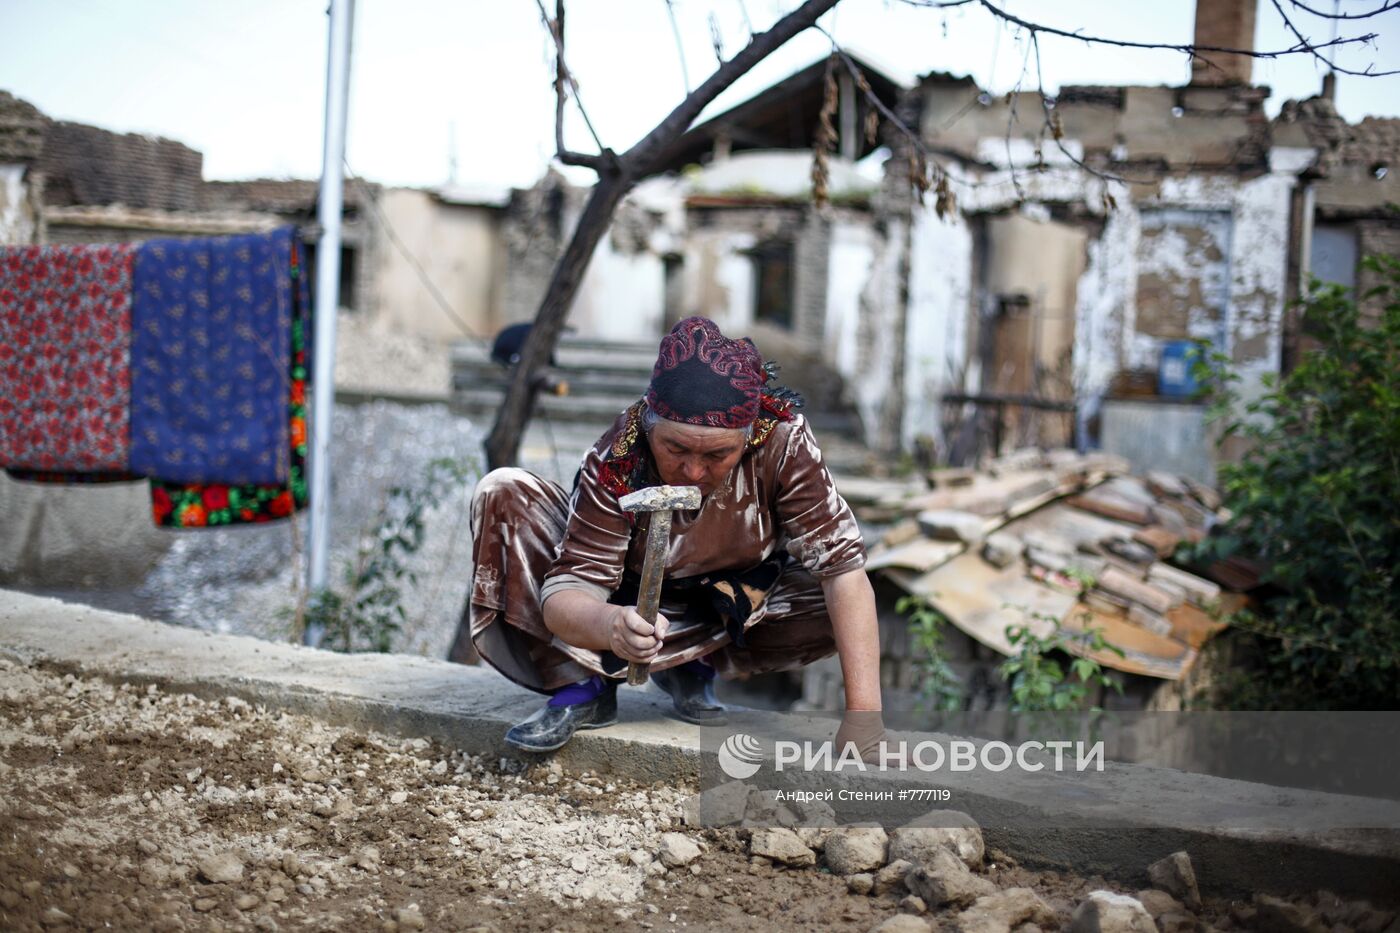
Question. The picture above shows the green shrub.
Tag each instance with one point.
(366, 611)
(1316, 498)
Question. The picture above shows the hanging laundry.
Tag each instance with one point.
(65, 350)
(188, 505)
(69, 478)
(211, 326)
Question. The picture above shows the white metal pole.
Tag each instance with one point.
(342, 21)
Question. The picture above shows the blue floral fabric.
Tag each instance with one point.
(210, 355)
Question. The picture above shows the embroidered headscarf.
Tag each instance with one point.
(702, 377)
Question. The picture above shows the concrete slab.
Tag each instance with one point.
(472, 707)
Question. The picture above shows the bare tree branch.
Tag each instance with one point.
(1313, 50)
(1184, 48)
(747, 22)
(680, 46)
(617, 175)
(1383, 8)
(562, 74)
(716, 40)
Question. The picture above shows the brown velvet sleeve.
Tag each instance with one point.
(820, 528)
(595, 542)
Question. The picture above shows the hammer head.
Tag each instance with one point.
(661, 499)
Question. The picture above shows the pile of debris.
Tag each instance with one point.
(1038, 539)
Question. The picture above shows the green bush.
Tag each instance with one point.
(1317, 500)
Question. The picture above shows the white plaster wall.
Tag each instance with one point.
(16, 214)
(936, 328)
(879, 336)
(1106, 302)
(621, 297)
(781, 173)
(719, 277)
(457, 246)
(851, 260)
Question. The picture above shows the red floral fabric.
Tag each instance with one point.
(65, 357)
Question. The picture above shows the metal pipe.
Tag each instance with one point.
(342, 21)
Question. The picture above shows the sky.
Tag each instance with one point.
(438, 82)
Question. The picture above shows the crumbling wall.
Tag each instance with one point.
(19, 209)
(457, 246)
(937, 352)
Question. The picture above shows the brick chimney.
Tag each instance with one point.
(1227, 24)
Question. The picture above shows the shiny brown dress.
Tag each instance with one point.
(530, 540)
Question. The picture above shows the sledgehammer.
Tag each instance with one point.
(660, 501)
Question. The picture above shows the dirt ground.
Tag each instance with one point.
(122, 807)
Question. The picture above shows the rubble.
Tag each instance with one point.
(1175, 875)
(944, 879)
(856, 849)
(782, 845)
(938, 829)
(1106, 912)
(1057, 535)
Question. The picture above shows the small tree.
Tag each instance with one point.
(1315, 498)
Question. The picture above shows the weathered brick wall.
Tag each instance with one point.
(1376, 238)
(85, 165)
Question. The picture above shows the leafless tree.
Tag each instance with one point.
(618, 173)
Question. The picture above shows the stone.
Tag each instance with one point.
(1176, 921)
(368, 858)
(782, 845)
(677, 850)
(1106, 912)
(246, 901)
(1005, 910)
(891, 877)
(1001, 549)
(939, 829)
(913, 904)
(205, 904)
(410, 919)
(1159, 902)
(221, 868)
(861, 883)
(579, 864)
(855, 849)
(722, 805)
(398, 797)
(1279, 916)
(944, 879)
(1175, 875)
(813, 837)
(952, 525)
(903, 923)
(147, 846)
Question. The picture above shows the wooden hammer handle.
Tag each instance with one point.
(649, 591)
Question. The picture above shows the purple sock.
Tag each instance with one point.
(581, 692)
(699, 668)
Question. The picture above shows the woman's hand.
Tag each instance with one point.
(632, 638)
(864, 729)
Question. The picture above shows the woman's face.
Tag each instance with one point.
(693, 455)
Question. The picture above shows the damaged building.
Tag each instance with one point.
(1093, 237)
(1048, 297)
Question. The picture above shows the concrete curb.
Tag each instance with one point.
(470, 708)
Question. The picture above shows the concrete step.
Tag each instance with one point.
(601, 410)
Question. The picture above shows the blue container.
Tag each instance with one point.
(1174, 378)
